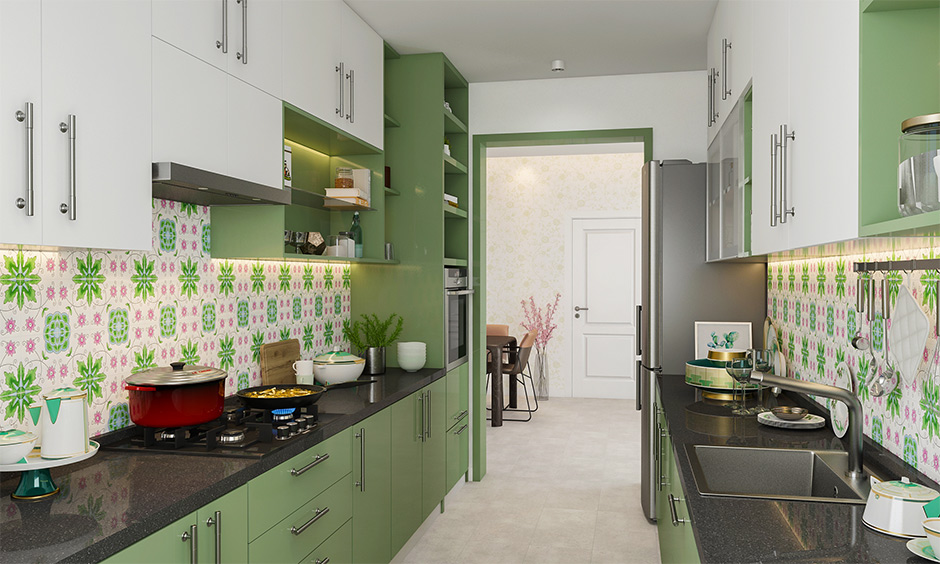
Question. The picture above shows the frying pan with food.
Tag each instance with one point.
(281, 396)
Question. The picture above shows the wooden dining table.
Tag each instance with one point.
(495, 344)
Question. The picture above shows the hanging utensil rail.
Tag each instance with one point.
(889, 265)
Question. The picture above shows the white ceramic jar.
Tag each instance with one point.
(62, 419)
(897, 507)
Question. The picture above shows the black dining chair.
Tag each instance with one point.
(517, 368)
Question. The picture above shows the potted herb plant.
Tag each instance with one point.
(371, 335)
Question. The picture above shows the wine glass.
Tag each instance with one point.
(763, 361)
(740, 369)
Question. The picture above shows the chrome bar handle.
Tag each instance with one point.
(243, 56)
(27, 202)
(316, 517)
(320, 458)
(216, 522)
(774, 144)
(223, 45)
(460, 415)
(361, 435)
(639, 385)
(462, 429)
(324, 561)
(784, 137)
(421, 432)
(639, 330)
(69, 129)
(351, 116)
(715, 114)
(708, 109)
(190, 537)
(725, 47)
(342, 80)
(427, 423)
(672, 511)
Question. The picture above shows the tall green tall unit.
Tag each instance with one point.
(426, 232)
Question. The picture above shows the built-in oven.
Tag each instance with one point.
(457, 294)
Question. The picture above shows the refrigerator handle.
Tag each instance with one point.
(639, 330)
(639, 385)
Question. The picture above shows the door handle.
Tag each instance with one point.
(223, 45)
(579, 308)
(785, 137)
(319, 458)
(708, 108)
(639, 385)
(27, 202)
(639, 331)
(316, 517)
(725, 47)
(672, 511)
(773, 179)
(217, 523)
(243, 56)
(190, 537)
(361, 435)
(341, 69)
(351, 116)
(69, 129)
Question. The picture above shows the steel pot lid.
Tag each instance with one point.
(337, 357)
(15, 437)
(64, 393)
(177, 374)
(904, 490)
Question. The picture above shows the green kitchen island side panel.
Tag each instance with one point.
(899, 78)
(166, 546)
(228, 518)
(372, 489)
(406, 469)
(434, 452)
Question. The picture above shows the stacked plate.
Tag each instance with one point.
(412, 355)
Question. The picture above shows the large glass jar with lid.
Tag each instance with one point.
(919, 165)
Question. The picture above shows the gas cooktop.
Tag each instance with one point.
(239, 433)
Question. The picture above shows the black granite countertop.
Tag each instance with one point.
(734, 529)
(117, 498)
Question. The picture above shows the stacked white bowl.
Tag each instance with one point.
(412, 355)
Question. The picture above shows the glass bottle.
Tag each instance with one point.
(356, 231)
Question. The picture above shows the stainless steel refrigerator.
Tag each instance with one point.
(680, 288)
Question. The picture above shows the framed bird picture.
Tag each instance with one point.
(722, 335)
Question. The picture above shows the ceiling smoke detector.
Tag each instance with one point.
(558, 65)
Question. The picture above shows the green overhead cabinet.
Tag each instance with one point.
(317, 149)
(899, 79)
(426, 232)
(372, 489)
(418, 459)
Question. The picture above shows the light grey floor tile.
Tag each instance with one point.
(556, 555)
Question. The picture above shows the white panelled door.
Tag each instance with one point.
(605, 290)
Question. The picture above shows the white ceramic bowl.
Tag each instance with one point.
(897, 507)
(932, 530)
(337, 373)
(411, 361)
(15, 444)
(416, 346)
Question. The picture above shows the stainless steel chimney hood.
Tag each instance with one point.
(174, 181)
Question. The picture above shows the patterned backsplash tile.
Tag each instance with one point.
(813, 304)
(89, 319)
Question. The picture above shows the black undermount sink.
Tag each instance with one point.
(768, 473)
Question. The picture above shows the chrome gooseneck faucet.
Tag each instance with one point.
(856, 471)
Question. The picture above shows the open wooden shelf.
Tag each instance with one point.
(452, 212)
(319, 201)
(392, 191)
(454, 262)
(453, 166)
(452, 123)
(391, 122)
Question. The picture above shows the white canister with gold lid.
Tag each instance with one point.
(897, 507)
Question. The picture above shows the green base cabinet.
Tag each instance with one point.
(227, 518)
(434, 449)
(458, 394)
(169, 545)
(372, 490)
(407, 436)
(458, 451)
(337, 549)
(676, 538)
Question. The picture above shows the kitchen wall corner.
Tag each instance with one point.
(90, 318)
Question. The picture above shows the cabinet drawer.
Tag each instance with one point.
(336, 550)
(458, 394)
(305, 529)
(283, 489)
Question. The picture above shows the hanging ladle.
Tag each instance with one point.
(887, 380)
(862, 292)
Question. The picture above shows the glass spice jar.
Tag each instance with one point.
(919, 165)
(344, 178)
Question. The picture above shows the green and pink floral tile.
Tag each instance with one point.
(90, 318)
(813, 302)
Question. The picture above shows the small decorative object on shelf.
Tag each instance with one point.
(371, 336)
(542, 321)
(447, 146)
(452, 200)
(344, 178)
(288, 163)
(356, 231)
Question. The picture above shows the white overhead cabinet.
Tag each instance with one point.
(805, 124)
(729, 51)
(240, 37)
(335, 74)
(205, 118)
(90, 139)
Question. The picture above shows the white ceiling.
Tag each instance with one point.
(494, 40)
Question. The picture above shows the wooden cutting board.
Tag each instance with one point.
(277, 361)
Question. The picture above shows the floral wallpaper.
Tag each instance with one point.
(812, 300)
(90, 318)
(527, 201)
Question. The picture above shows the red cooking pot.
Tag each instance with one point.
(176, 396)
